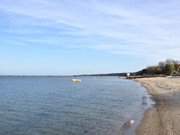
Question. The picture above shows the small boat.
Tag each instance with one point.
(76, 80)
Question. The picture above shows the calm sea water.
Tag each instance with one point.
(56, 106)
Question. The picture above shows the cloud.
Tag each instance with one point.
(148, 29)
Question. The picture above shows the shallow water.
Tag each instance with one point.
(56, 106)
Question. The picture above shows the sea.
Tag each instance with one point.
(54, 105)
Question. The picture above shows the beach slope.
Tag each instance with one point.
(164, 117)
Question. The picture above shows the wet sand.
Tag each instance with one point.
(164, 117)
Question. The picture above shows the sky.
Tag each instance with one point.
(64, 37)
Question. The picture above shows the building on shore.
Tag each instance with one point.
(128, 75)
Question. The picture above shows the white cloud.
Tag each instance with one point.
(145, 28)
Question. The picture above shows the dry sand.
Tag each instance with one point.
(164, 117)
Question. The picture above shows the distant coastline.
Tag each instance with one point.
(166, 68)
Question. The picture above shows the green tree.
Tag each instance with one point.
(170, 68)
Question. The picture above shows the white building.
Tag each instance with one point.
(128, 74)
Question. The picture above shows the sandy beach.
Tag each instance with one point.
(164, 117)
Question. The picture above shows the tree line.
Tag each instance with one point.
(168, 67)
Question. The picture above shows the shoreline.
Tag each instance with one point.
(164, 117)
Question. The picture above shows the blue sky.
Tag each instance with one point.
(58, 37)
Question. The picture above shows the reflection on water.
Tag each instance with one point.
(56, 106)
